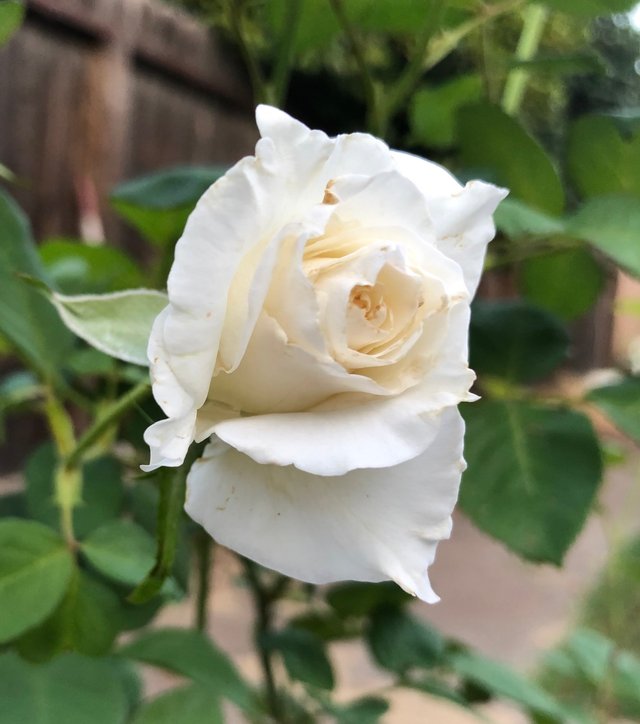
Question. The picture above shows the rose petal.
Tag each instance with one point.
(431, 178)
(449, 380)
(311, 159)
(289, 283)
(169, 440)
(462, 216)
(369, 525)
(464, 226)
(276, 376)
(383, 199)
(342, 434)
(227, 222)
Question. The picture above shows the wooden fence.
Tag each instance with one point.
(93, 92)
(96, 91)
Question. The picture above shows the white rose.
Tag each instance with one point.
(317, 332)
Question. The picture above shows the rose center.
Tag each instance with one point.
(369, 300)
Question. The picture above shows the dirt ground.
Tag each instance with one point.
(508, 609)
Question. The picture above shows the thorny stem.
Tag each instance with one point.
(102, 424)
(68, 478)
(204, 553)
(448, 40)
(529, 251)
(60, 424)
(429, 51)
(262, 603)
(534, 17)
(68, 474)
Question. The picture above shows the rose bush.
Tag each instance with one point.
(316, 332)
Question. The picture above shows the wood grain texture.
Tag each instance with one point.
(93, 92)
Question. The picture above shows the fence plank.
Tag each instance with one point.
(96, 91)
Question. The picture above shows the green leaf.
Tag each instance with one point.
(26, 319)
(518, 220)
(432, 113)
(504, 682)
(136, 615)
(621, 403)
(87, 621)
(120, 550)
(600, 161)
(118, 324)
(326, 625)
(17, 390)
(612, 225)
(616, 592)
(533, 475)
(89, 361)
(191, 654)
(35, 568)
(102, 491)
(192, 704)
(399, 642)
(11, 17)
(626, 684)
(6, 173)
(13, 505)
(158, 205)
(438, 688)
(359, 599)
(317, 26)
(566, 283)
(394, 17)
(18, 387)
(77, 268)
(72, 689)
(367, 710)
(304, 656)
(590, 8)
(131, 681)
(591, 653)
(490, 139)
(515, 340)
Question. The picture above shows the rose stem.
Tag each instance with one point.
(262, 603)
(204, 549)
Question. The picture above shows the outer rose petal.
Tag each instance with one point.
(228, 222)
(225, 258)
(368, 525)
(462, 216)
(345, 433)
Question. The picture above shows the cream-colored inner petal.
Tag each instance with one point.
(372, 300)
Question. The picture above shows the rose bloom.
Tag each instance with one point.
(316, 334)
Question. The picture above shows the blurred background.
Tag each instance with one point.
(96, 92)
